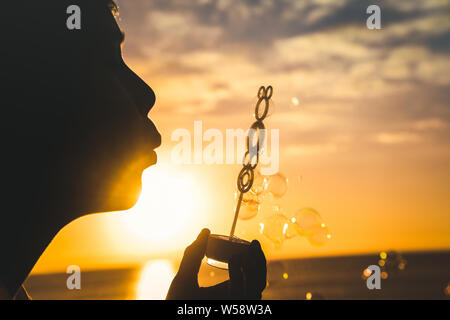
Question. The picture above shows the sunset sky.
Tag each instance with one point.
(367, 144)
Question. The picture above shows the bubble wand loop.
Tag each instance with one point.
(251, 157)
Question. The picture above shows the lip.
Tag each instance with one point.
(152, 153)
(154, 142)
(152, 158)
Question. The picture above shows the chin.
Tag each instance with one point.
(125, 192)
(126, 203)
(125, 195)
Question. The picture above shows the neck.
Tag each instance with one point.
(28, 226)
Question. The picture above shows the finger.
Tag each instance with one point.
(193, 255)
(219, 291)
(237, 281)
(255, 271)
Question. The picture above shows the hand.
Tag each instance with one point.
(247, 274)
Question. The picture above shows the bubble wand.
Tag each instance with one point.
(221, 248)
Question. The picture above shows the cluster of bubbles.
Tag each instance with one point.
(390, 262)
(280, 226)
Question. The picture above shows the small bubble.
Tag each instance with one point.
(277, 185)
(274, 228)
(319, 235)
(259, 185)
(306, 220)
(294, 103)
(289, 230)
(250, 206)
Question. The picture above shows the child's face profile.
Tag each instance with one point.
(75, 131)
(122, 138)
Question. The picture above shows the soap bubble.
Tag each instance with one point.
(392, 262)
(259, 184)
(249, 197)
(248, 212)
(274, 228)
(314, 296)
(299, 100)
(250, 207)
(294, 103)
(290, 229)
(447, 289)
(276, 208)
(277, 185)
(306, 220)
(366, 273)
(319, 235)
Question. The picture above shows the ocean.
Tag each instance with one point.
(413, 275)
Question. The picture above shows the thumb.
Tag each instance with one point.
(193, 256)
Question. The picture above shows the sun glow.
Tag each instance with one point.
(164, 207)
(170, 212)
(155, 280)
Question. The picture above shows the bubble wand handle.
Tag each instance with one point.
(251, 157)
(236, 214)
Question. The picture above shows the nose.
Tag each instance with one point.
(144, 99)
(155, 136)
(141, 93)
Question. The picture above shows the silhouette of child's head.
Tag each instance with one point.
(77, 135)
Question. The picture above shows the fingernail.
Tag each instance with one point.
(255, 244)
(204, 233)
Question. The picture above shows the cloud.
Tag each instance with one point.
(309, 150)
(429, 124)
(206, 59)
(396, 137)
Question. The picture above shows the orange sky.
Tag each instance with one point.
(367, 146)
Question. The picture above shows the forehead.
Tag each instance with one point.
(109, 26)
